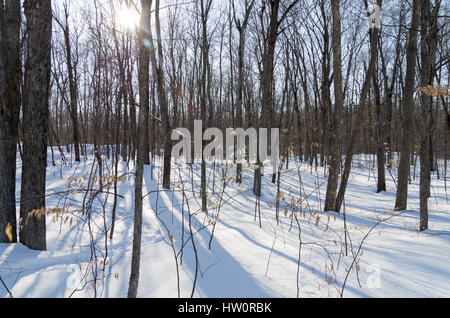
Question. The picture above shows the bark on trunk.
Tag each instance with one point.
(333, 174)
(350, 148)
(10, 78)
(407, 110)
(73, 89)
(144, 68)
(35, 123)
(162, 97)
(242, 28)
(381, 160)
(429, 30)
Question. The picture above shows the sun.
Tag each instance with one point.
(127, 17)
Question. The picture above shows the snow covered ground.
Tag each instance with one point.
(306, 254)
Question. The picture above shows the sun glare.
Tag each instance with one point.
(127, 17)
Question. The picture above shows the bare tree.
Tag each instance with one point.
(144, 69)
(35, 123)
(10, 81)
(158, 71)
(73, 81)
(408, 110)
(350, 148)
(242, 28)
(429, 37)
(333, 174)
(268, 61)
(205, 9)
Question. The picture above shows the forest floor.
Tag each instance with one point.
(307, 254)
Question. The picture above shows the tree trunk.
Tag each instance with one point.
(242, 28)
(205, 9)
(350, 148)
(334, 169)
(35, 123)
(266, 84)
(407, 111)
(73, 86)
(162, 97)
(144, 83)
(381, 185)
(10, 78)
(428, 52)
(325, 106)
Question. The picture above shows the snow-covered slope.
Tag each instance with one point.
(306, 254)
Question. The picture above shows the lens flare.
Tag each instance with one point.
(127, 17)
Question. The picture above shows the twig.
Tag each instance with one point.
(6, 287)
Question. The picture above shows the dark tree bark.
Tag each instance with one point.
(73, 83)
(144, 83)
(389, 88)
(10, 79)
(408, 110)
(133, 123)
(205, 8)
(268, 74)
(428, 34)
(350, 147)
(325, 106)
(242, 28)
(381, 160)
(333, 174)
(158, 70)
(125, 132)
(35, 123)
(303, 75)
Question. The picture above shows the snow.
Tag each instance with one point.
(395, 259)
